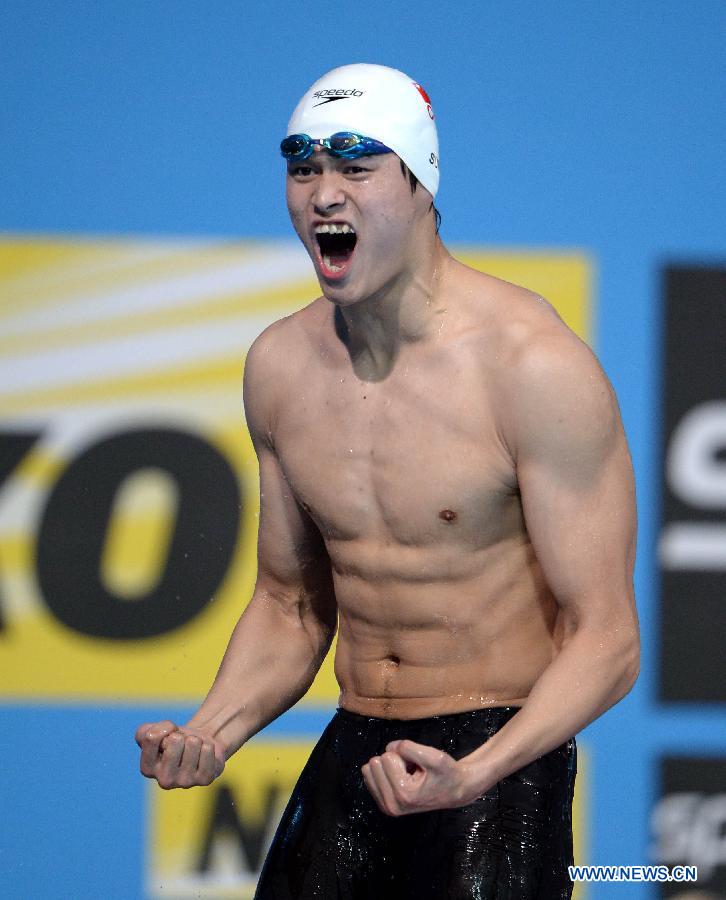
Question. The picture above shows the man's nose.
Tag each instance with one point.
(329, 194)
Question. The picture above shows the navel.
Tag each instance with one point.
(448, 515)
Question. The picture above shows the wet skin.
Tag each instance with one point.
(442, 606)
(444, 476)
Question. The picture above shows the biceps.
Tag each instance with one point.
(583, 529)
(292, 557)
(281, 531)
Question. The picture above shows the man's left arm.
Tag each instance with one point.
(576, 483)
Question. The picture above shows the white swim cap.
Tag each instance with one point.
(379, 103)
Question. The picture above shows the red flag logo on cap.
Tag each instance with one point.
(426, 98)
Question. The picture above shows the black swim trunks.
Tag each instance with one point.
(333, 843)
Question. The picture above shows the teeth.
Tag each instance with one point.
(334, 228)
(330, 266)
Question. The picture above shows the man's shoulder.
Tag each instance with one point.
(547, 378)
(274, 362)
(535, 340)
(283, 341)
(520, 328)
(535, 364)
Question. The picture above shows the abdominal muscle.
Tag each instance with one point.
(413, 650)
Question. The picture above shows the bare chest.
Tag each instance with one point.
(414, 459)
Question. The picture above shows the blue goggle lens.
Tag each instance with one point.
(345, 144)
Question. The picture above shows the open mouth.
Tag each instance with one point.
(336, 242)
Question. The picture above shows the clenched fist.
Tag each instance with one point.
(178, 756)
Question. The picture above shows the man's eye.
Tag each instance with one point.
(355, 170)
(300, 171)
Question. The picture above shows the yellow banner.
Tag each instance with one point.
(128, 485)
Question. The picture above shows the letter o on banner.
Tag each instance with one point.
(75, 522)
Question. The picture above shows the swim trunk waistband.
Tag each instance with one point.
(456, 733)
(485, 713)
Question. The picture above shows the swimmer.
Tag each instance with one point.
(445, 482)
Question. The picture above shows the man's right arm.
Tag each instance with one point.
(281, 639)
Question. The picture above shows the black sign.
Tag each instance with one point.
(693, 536)
(689, 822)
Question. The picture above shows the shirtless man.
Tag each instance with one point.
(445, 476)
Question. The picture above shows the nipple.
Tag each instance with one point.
(448, 515)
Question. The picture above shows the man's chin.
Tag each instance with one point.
(340, 289)
(339, 294)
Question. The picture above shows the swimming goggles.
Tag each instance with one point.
(345, 144)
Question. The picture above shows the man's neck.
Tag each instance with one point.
(404, 311)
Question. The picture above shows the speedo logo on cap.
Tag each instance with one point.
(330, 94)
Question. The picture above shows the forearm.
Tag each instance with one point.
(271, 660)
(589, 675)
